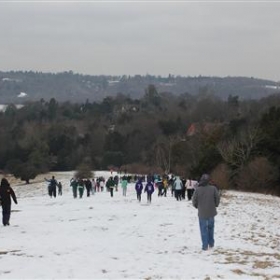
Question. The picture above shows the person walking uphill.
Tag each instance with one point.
(74, 185)
(52, 186)
(110, 185)
(149, 189)
(139, 188)
(178, 185)
(206, 198)
(6, 192)
(124, 185)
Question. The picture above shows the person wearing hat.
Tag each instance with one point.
(6, 192)
(206, 199)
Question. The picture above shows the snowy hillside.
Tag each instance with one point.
(115, 238)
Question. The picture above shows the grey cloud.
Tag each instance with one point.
(138, 38)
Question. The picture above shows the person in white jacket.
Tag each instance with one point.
(178, 185)
(190, 188)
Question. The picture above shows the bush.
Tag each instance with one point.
(221, 176)
(25, 171)
(258, 176)
(84, 172)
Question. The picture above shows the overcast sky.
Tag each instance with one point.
(210, 38)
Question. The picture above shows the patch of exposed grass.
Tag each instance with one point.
(263, 264)
(238, 271)
(6, 252)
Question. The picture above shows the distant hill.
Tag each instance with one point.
(19, 87)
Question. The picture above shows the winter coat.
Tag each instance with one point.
(6, 192)
(149, 188)
(74, 184)
(160, 185)
(52, 183)
(81, 184)
(206, 198)
(178, 185)
(139, 186)
(190, 184)
(110, 183)
(124, 183)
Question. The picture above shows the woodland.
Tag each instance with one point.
(236, 141)
(18, 86)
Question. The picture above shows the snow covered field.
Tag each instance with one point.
(114, 238)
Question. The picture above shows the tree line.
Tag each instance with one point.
(237, 141)
(22, 86)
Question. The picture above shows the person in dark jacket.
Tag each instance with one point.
(206, 198)
(149, 189)
(110, 185)
(52, 186)
(184, 188)
(160, 187)
(81, 187)
(74, 185)
(88, 185)
(6, 192)
(139, 188)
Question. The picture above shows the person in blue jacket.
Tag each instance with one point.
(139, 188)
(149, 189)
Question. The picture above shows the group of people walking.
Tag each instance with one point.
(177, 186)
(149, 189)
(204, 195)
(79, 186)
(181, 186)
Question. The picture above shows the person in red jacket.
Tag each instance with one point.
(6, 192)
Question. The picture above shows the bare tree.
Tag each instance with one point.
(237, 152)
(163, 150)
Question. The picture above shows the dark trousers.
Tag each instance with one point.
(112, 192)
(75, 191)
(139, 196)
(190, 193)
(52, 191)
(6, 212)
(149, 197)
(88, 191)
(178, 194)
(183, 193)
(81, 192)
